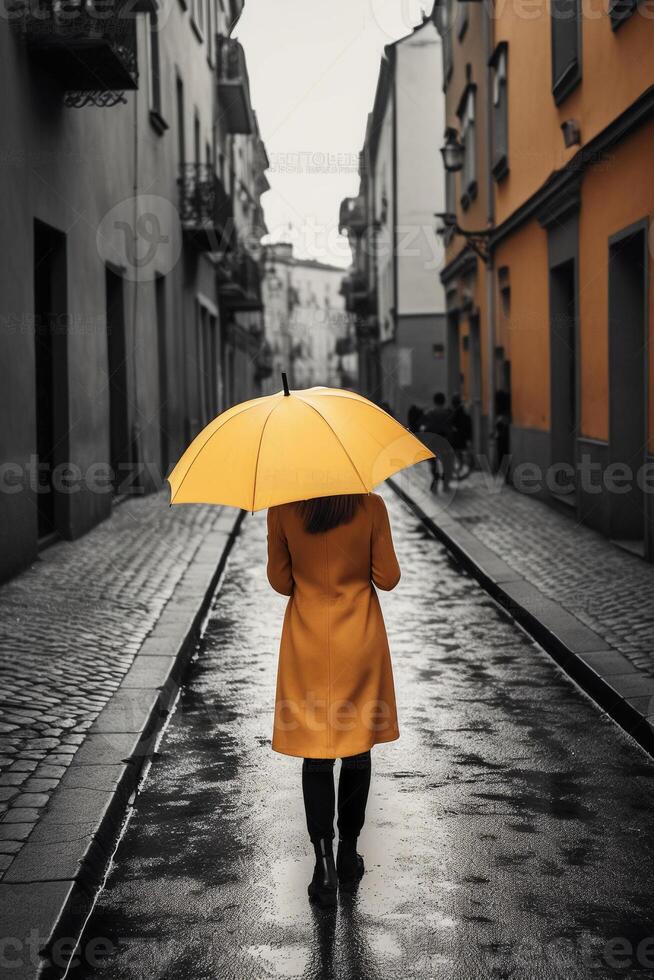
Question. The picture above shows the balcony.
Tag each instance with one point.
(352, 216)
(233, 88)
(88, 45)
(205, 208)
(239, 283)
(355, 291)
(367, 328)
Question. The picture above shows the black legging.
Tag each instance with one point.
(319, 801)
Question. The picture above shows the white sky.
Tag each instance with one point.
(313, 68)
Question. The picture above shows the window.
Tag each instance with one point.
(154, 74)
(566, 44)
(466, 115)
(445, 25)
(450, 192)
(621, 10)
(500, 163)
(197, 17)
(181, 120)
(211, 32)
(461, 18)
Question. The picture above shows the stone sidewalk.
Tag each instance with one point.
(590, 603)
(606, 588)
(70, 628)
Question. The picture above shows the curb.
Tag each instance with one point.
(50, 888)
(623, 692)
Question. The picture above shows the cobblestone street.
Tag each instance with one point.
(505, 828)
(70, 627)
(608, 589)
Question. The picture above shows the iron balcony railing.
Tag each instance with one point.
(205, 208)
(234, 106)
(355, 290)
(352, 216)
(88, 45)
(240, 282)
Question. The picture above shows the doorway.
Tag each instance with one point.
(475, 383)
(162, 357)
(453, 355)
(51, 376)
(628, 380)
(563, 377)
(119, 440)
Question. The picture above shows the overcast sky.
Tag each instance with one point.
(313, 68)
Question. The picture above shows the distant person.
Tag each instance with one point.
(461, 425)
(437, 421)
(414, 417)
(502, 426)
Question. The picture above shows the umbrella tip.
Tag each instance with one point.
(285, 383)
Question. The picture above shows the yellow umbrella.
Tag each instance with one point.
(293, 445)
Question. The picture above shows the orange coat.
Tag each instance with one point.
(335, 693)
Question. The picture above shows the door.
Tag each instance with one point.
(162, 357)
(475, 383)
(51, 375)
(563, 377)
(453, 355)
(119, 441)
(627, 382)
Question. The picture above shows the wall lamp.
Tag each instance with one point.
(477, 240)
(452, 151)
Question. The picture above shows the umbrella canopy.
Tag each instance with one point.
(293, 446)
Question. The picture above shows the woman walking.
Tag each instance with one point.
(335, 695)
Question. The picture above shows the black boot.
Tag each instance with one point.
(324, 884)
(349, 864)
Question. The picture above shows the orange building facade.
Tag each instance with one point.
(563, 142)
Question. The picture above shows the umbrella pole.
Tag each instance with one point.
(285, 383)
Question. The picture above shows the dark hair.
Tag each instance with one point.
(325, 513)
(439, 398)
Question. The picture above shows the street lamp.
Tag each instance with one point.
(477, 240)
(452, 152)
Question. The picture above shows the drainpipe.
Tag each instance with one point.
(490, 265)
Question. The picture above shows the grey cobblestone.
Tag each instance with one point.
(606, 588)
(70, 627)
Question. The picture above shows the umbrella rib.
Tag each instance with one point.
(338, 438)
(366, 401)
(256, 463)
(206, 443)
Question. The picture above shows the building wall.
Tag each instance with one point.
(467, 289)
(384, 211)
(91, 173)
(603, 213)
(525, 331)
(420, 176)
(421, 367)
(317, 321)
(616, 68)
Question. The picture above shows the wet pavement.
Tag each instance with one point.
(70, 627)
(508, 830)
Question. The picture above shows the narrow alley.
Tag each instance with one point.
(505, 833)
